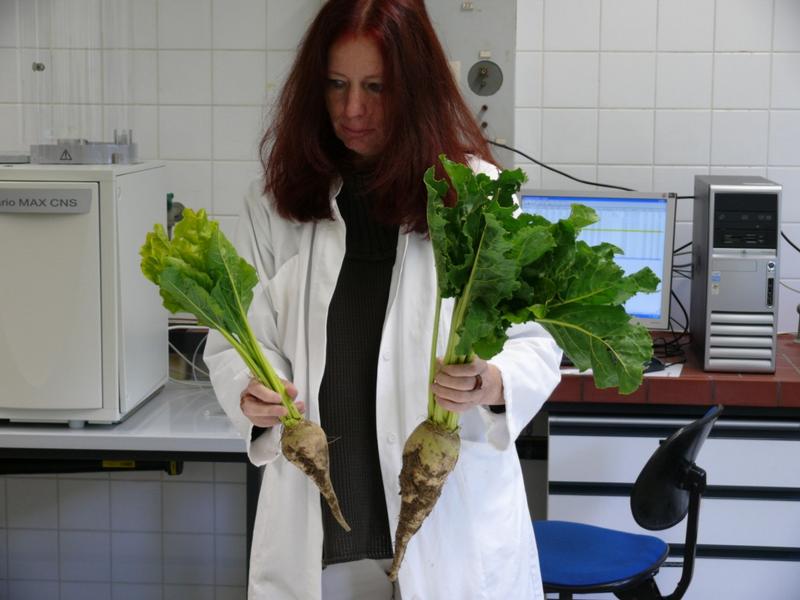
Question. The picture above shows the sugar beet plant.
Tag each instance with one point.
(505, 267)
(199, 271)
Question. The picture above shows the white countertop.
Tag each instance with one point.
(182, 418)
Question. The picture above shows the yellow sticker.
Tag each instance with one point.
(119, 464)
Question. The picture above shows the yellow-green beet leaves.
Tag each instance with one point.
(200, 272)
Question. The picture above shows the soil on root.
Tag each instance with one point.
(306, 447)
(429, 456)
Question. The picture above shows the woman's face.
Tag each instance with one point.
(354, 95)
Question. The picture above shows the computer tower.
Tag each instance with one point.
(735, 272)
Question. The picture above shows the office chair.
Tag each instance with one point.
(579, 559)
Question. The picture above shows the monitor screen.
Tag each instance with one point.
(641, 224)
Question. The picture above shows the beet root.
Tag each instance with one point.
(306, 447)
(429, 456)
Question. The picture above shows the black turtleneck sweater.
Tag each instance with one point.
(348, 391)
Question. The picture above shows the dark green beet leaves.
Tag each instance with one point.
(504, 266)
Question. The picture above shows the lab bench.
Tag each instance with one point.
(184, 422)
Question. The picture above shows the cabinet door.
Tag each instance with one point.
(50, 320)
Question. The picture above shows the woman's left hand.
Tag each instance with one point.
(458, 388)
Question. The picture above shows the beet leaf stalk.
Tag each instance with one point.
(200, 272)
(505, 267)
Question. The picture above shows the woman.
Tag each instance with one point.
(337, 231)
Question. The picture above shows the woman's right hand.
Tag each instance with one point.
(263, 406)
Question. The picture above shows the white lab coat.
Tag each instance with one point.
(478, 541)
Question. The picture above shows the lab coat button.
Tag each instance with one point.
(391, 438)
(385, 356)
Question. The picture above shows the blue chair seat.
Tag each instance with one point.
(575, 555)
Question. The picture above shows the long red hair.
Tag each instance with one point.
(425, 116)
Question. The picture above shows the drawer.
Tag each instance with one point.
(725, 522)
(727, 461)
(593, 458)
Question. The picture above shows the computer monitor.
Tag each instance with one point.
(641, 224)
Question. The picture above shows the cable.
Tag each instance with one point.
(674, 347)
(788, 287)
(683, 309)
(195, 384)
(790, 242)
(562, 173)
(685, 197)
(686, 245)
(187, 327)
(194, 356)
(187, 360)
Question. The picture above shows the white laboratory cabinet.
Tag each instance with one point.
(749, 528)
(83, 335)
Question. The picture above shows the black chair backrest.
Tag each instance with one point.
(660, 496)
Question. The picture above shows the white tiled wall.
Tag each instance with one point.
(193, 78)
(124, 536)
(648, 93)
